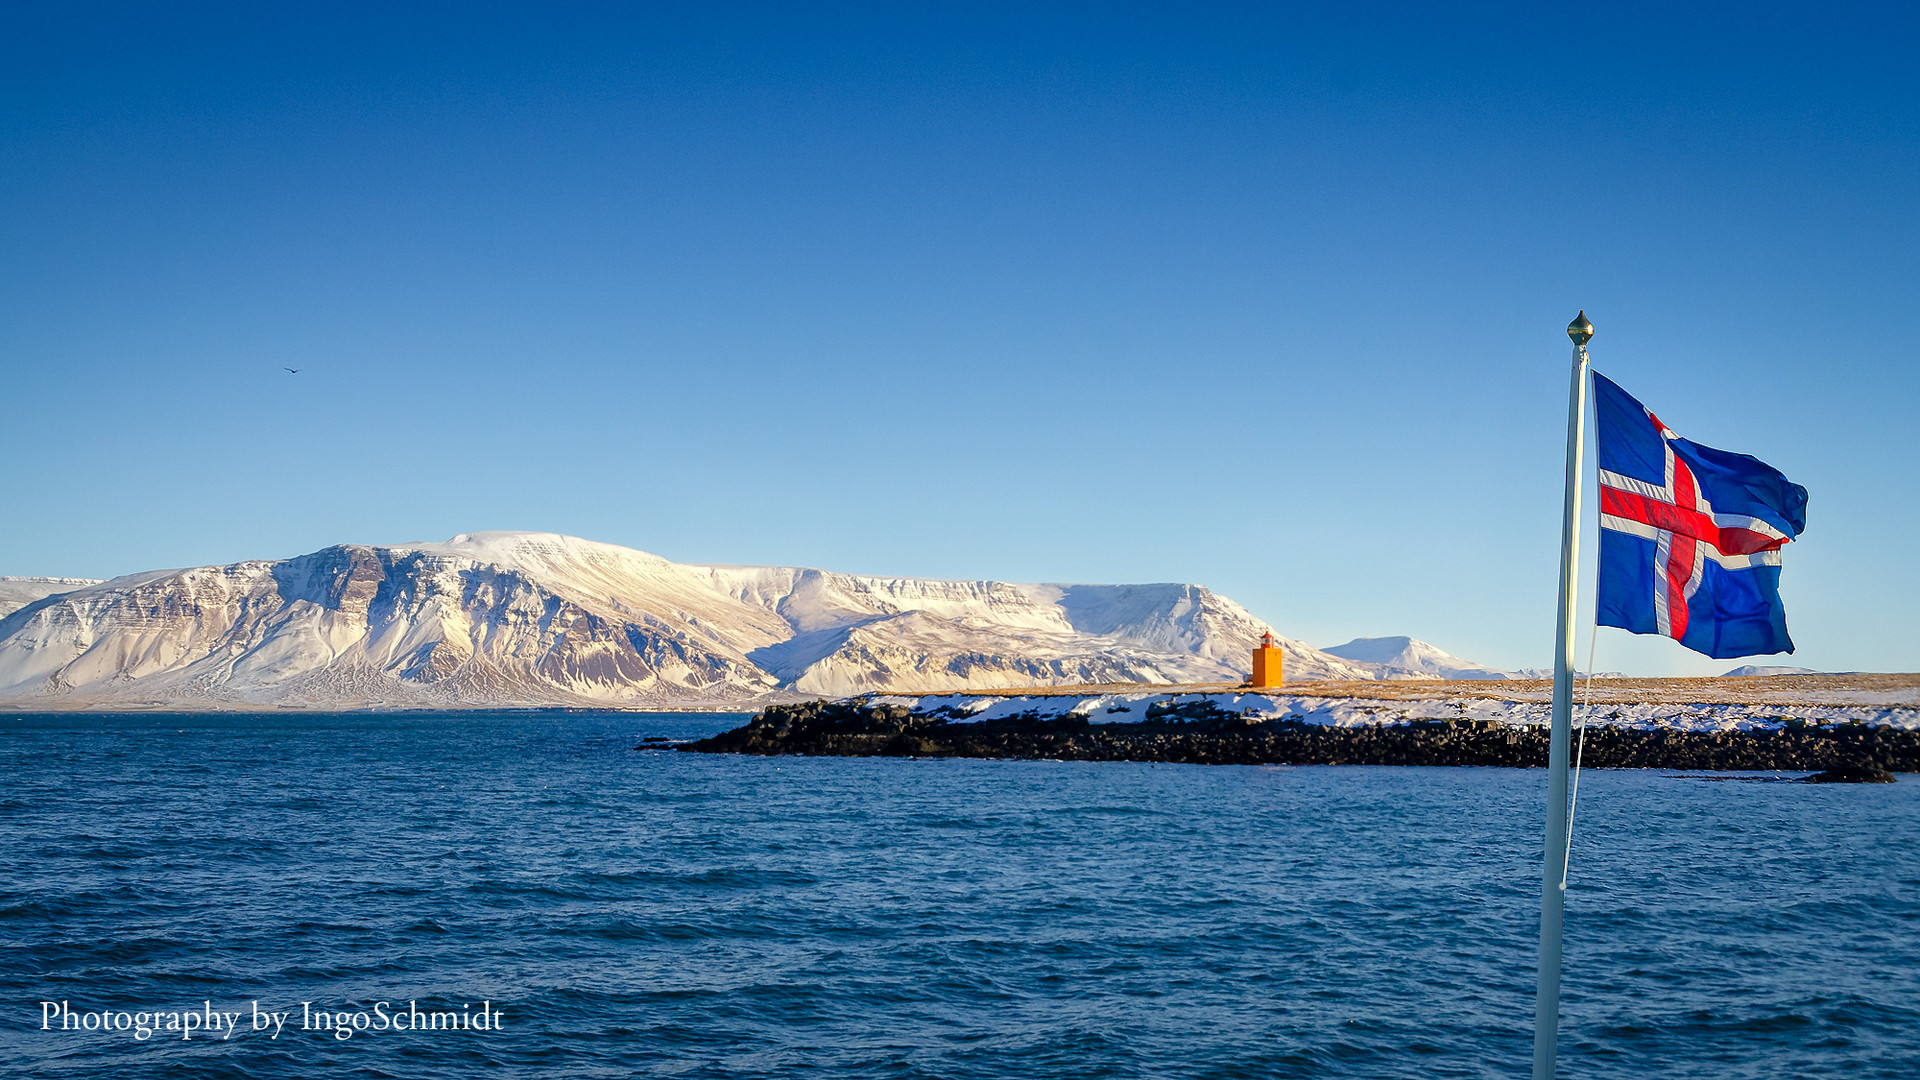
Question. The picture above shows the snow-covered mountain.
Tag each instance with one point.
(1416, 657)
(541, 619)
(18, 592)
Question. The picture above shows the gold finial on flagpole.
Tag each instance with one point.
(1580, 330)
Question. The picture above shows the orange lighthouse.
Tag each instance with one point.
(1266, 663)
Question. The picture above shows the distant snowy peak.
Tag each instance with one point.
(1415, 657)
(1763, 669)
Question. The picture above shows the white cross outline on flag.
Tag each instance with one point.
(1685, 530)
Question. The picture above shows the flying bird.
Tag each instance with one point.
(291, 370)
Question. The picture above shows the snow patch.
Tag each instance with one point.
(1359, 711)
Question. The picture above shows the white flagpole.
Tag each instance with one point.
(1553, 892)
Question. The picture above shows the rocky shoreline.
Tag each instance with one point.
(1205, 736)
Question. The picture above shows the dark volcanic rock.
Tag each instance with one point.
(1210, 736)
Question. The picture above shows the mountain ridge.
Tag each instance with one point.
(1415, 656)
(539, 619)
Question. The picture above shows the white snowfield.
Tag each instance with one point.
(1900, 708)
(537, 619)
(1414, 656)
(18, 592)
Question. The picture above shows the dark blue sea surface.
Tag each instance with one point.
(646, 912)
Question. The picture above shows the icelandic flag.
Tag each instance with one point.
(1690, 536)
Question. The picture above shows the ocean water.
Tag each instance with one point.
(650, 913)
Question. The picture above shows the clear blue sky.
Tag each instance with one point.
(1271, 300)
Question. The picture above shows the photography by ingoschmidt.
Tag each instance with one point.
(209, 1022)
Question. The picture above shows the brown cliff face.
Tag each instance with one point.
(352, 626)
